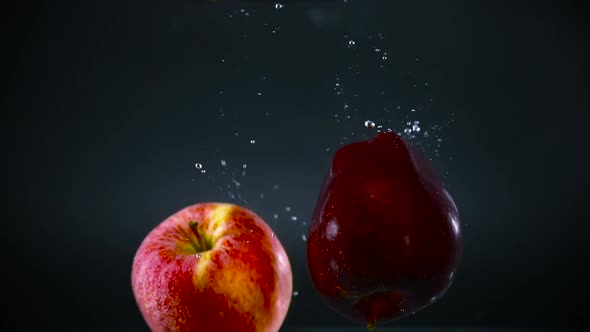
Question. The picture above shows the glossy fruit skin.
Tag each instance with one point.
(243, 283)
(385, 239)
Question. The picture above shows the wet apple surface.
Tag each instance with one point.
(385, 240)
(212, 267)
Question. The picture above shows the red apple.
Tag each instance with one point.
(385, 239)
(212, 267)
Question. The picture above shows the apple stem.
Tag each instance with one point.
(201, 242)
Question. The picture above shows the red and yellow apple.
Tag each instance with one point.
(212, 267)
(385, 239)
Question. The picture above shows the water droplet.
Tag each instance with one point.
(287, 208)
(279, 6)
(384, 57)
(223, 163)
(407, 131)
(198, 166)
(377, 50)
(203, 171)
(252, 141)
(260, 93)
(244, 166)
(413, 110)
(295, 293)
(369, 124)
(351, 42)
(276, 216)
(304, 237)
(416, 128)
(407, 240)
(294, 218)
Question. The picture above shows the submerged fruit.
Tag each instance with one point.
(212, 267)
(385, 239)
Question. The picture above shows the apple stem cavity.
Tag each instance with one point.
(199, 240)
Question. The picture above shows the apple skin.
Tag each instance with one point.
(243, 283)
(385, 239)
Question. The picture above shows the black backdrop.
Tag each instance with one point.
(111, 103)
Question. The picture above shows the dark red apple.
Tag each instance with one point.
(385, 239)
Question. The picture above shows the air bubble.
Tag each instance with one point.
(223, 163)
(198, 166)
(279, 6)
(252, 141)
(351, 42)
(294, 218)
(304, 237)
(369, 124)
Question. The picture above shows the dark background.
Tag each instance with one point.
(111, 103)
